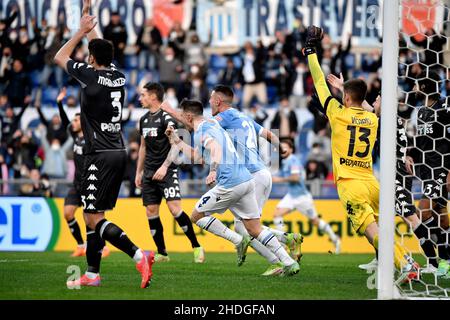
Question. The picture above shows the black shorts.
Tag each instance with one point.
(154, 191)
(434, 185)
(404, 201)
(73, 197)
(102, 177)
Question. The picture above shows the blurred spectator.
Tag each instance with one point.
(199, 90)
(5, 24)
(39, 186)
(148, 43)
(339, 58)
(55, 161)
(279, 46)
(18, 87)
(53, 42)
(433, 43)
(10, 122)
(230, 75)
(258, 114)
(278, 72)
(22, 150)
(319, 154)
(6, 62)
(4, 175)
(299, 84)
(316, 170)
(170, 69)
(252, 74)
(371, 62)
(22, 45)
(176, 39)
(285, 120)
(54, 128)
(194, 52)
(296, 38)
(116, 32)
(130, 173)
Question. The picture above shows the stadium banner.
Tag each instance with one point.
(236, 21)
(37, 224)
(133, 13)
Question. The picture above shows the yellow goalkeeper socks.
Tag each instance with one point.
(399, 253)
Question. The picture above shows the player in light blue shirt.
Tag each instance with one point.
(235, 188)
(244, 132)
(298, 196)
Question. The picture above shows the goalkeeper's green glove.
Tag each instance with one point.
(313, 37)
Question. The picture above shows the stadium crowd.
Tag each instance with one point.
(272, 84)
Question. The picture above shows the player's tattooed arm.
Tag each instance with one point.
(272, 138)
(171, 156)
(140, 164)
(216, 156)
(182, 146)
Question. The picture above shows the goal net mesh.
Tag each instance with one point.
(423, 142)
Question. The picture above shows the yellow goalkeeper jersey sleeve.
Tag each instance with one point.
(353, 131)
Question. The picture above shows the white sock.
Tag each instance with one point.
(255, 244)
(215, 226)
(91, 275)
(268, 239)
(138, 255)
(281, 236)
(279, 223)
(325, 227)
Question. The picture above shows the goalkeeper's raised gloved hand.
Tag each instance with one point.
(313, 37)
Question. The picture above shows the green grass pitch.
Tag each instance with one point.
(43, 275)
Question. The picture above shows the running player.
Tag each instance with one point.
(73, 199)
(235, 189)
(102, 97)
(157, 174)
(298, 196)
(244, 132)
(354, 132)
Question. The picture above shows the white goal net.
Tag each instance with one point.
(422, 152)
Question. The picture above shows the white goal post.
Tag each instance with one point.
(389, 103)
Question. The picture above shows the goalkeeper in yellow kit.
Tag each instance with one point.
(353, 135)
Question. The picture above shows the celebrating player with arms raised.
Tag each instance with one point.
(102, 97)
(354, 132)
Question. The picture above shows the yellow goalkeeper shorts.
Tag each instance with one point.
(360, 200)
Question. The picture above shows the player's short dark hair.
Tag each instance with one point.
(156, 88)
(289, 142)
(102, 50)
(192, 106)
(356, 89)
(227, 91)
(77, 114)
(429, 83)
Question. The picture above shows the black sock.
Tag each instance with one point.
(157, 231)
(423, 235)
(186, 225)
(442, 244)
(439, 236)
(94, 249)
(75, 230)
(112, 233)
